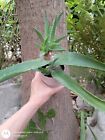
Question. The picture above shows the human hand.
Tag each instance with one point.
(42, 88)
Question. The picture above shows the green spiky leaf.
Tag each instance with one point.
(69, 83)
(75, 59)
(17, 69)
(54, 25)
(57, 48)
(61, 38)
(39, 34)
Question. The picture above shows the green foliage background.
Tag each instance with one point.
(86, 30)
(86, 27)
(9, 34)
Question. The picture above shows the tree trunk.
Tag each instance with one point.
(30, 14)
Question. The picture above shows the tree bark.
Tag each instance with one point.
(30, 14)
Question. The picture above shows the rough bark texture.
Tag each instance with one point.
(31, 13)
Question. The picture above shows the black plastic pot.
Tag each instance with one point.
(46, 72)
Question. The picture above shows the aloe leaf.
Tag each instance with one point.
(44, 46)
(54, 25)
(49, 34)
(39, 34)
(52, 45)
(17, 69)
(74, 59)
(57, 48)
(69, 83)
(61, 38)
(46, 42)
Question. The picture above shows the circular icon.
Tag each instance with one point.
(6, 133)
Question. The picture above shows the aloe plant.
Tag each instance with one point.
(49, 42)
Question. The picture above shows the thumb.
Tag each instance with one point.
(37, 75)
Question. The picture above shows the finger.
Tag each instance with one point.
(37, 74)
